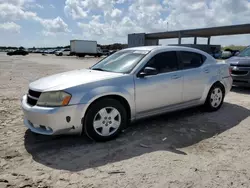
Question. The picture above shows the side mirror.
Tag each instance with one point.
(148, 71)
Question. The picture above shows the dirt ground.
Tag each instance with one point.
(184, 149)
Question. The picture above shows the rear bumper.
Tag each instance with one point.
(227, 82)
(52, 120)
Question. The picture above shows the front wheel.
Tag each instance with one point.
(215, 97)
(104, 120)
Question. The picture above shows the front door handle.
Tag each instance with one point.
(176, 76)
(206, 70)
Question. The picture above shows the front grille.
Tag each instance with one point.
(34, 93)
(239, 72)
(240, 65)
(240, 81)
(33, 97)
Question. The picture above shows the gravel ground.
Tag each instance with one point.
(189, 148)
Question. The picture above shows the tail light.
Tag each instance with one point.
(230, 71)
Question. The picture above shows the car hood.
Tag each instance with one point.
(70, 79)
(239, 61)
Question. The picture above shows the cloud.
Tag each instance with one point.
(52, 6)
(116, 13)
(14, 12)
(75, 9)
(10, 27)
(53, 26)
(34, 6)
(17, 10)
(113, 24)
(17, 2)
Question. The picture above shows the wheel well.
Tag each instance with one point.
(219, 83)
(121, 99)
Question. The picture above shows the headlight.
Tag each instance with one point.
(54, 98)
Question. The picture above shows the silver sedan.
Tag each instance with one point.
(131, 84)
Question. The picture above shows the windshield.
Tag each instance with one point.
(245, 53)
(120, 62)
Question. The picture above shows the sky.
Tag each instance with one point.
(43, 23)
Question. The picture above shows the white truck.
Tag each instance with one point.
(81, 48)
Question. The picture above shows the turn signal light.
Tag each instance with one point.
(66, 100)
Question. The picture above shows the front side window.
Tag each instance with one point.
(121, 62)
(191, 59)
(164, 62)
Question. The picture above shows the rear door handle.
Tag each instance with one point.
(176, 76)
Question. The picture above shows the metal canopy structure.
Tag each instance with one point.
(144, 39)
(204, 32)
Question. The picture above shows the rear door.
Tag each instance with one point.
(196, 75)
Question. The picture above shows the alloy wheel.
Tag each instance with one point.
(107, 121)
(216, 97)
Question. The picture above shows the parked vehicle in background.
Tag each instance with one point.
(18, 52)
(240, 66)
(82, 48)
(112, 52)
(233, 52)
(226, 54)
(52, 51)
(131, 84)
(105, 52)
(63, 52)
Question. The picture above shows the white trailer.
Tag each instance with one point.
(85, 47)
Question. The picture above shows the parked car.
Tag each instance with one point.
(63, 52)
(105, 52)
(131, 84)
(52, 51)
(240, 66)
(226, 54)
(18, 52)
(233, 52)
(112, 52)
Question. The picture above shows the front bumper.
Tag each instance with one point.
(241, 76)
(52, 120)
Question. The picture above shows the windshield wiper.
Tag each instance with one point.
(98, 69)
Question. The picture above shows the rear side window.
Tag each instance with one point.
(191, 59)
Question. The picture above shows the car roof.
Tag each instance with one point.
(150, 48)
(172, 47)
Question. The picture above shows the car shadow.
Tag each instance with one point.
(242, 90)
(169, 132)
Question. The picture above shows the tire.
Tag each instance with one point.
(215, 97)
(108, 126)
(60, 54)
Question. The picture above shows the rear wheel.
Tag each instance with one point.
(104, 120)
(215, 97)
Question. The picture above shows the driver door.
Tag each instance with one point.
(156, 92)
